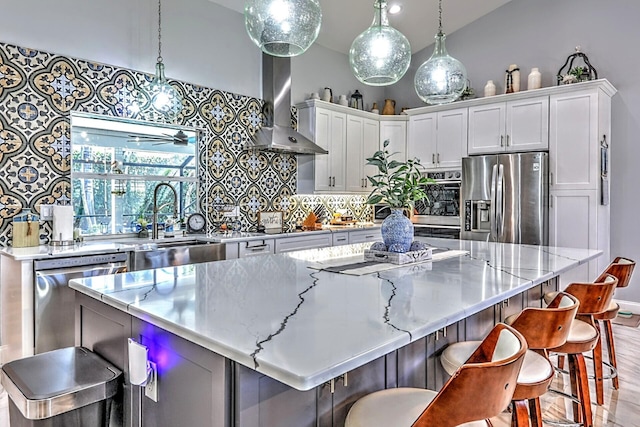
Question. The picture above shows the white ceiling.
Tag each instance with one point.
(343, 20)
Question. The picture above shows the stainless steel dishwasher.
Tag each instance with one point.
(54, 311)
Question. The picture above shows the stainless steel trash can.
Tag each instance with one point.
(68, 387)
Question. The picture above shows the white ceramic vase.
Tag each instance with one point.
(489, 89)
(534, 81)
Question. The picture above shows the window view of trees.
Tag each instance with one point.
(114, 175)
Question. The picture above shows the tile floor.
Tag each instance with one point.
(621, 408)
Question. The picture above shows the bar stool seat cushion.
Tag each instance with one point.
(535, 368)
(398, 407)
(456, 354)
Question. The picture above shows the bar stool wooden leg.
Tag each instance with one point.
(580, 389)
(597, 367)
(612, 351)
(535, 412)
(520, 414)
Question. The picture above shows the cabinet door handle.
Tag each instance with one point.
(550, 178)
(334, 181)
(508, 137)
(329, 181)
(433, 158)
(438, 158)
(501, 140)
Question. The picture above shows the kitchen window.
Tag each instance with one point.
(116, 165)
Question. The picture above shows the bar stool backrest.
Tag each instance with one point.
(483, 387)
(548, 327)
(594, 297)
(621, 268)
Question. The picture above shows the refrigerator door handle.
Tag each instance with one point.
(500, 203)
(494, 206)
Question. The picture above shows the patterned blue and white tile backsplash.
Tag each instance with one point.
(39, 90)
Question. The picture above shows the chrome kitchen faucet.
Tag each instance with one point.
(156, 208)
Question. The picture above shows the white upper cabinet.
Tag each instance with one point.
(580, 125)
(395, 130)
(363, 140)
(330, 132)
(438, 139)
(519, 125)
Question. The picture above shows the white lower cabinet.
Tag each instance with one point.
(340, 238)
(256, 247)
(364, 236)
(298, 243)
(577, 220)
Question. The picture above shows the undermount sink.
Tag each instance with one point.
(164, 253)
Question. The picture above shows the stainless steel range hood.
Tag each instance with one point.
(276, 133)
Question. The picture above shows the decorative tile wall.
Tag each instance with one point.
(38, 92)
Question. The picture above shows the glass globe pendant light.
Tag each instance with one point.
(381, 55)
(442, 78)
(164, 97)
(283, 27)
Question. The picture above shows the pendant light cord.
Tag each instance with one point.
(439, 16)
(159, 31)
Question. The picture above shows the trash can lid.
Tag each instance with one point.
(59, 381)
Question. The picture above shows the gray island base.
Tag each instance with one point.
(270, 341)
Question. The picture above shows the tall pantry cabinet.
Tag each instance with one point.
(579, 153)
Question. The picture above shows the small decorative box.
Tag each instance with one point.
(398, 258)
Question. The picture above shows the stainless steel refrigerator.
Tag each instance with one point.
(506, 198)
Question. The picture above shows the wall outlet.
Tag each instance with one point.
(46, 212)
(151, 389)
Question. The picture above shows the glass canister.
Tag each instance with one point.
(26, 229)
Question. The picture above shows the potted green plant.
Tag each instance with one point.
(144, 233)
(400, 185)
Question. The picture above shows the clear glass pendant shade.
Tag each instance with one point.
(164, 98)
(381, 55)
(283, 27)
(442, 78)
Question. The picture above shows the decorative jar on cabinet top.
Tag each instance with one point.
(534, 80)
(512, 79)
(389, 108)
(489, 88)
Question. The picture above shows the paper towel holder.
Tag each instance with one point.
(59, 240)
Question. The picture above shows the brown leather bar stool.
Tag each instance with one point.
(482, 388)
(621, 268)
(583, 336)
(543, 328)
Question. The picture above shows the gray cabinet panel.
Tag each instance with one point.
(508, 307)
(104, 330)
(361, 381)
(442, 340)
(185, 367)
(412, 364)
(264, 402)
(478, 326)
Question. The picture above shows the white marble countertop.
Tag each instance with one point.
(302, 326)
(111, 245)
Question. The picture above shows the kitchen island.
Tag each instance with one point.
(254, 341)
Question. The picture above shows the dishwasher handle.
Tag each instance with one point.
(99, 270)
